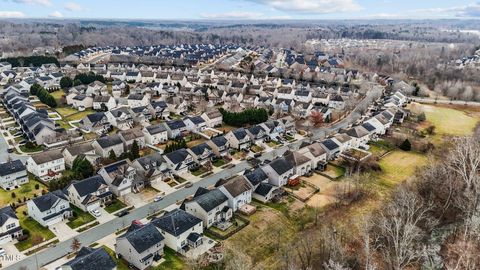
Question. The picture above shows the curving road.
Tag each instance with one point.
(49, 255)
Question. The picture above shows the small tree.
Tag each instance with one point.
(406, 145)
(135, 150)
(14, 195)
(421, 117)
(316, 118)
(75, 246)
(112, 155)
(66, 82)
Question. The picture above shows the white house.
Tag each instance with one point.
(279, 171)
(155, 134)
(9, 225)
(211, 206)
(180, 230)
(104, 145)
(89, 194)
(49, 209)
(238, 191)
(239, 139)
(213, 118)
(120, 177)
(46, 165)
(13, 174)
(141, 245)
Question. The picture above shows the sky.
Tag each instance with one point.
(241, 9)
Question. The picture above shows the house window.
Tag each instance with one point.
(11, 226)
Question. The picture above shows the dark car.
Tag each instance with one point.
(10, 150)
(188, 185)
(122, 213)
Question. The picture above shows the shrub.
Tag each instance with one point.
(406, 145)
(421, 117)
(14, 195)
(37, 186)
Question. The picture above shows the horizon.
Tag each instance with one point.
(242, 10)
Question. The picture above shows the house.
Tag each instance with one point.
(89, 194)
(160, 109)
(121, 177)
(46, 165)
(13, 174)
(264, 192)
(138, 100)
(202, 153)
(153, 166)
(84, 149)
(279, 171)
(104, 145)
(9, 225)
(211, 206)
(155, 134)
(121, 118)
(175, 128)
(219, 145)
(180, 161)
(196, 123)
(257, 133)
(180, 229)
(316, 154)
(132, 135)
(49, 209)
(96, 122)
(238, 191)
(238, 139)
(96, 88)
(332, 147)
(104, 103)
(301, 164)
(213, 118)
(256, 177)
(360, 136)
(336, 102)
(80, 101)
(89, 258)
(344, 141)
(141, 245)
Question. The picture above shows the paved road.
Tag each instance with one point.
(86, 238)
(5, 155)
(443, 101)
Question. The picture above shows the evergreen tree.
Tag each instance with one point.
(111, 155)
(135, 150)
(66, 82)
(406, 145)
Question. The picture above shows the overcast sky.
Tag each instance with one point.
(241, 9)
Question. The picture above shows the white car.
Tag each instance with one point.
(158, 198)
(95, 212)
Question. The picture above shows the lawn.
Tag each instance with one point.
(64, 125)
(398, 166)
(334, 171)
(80, 218)
(256, 149)
(115, 206)
(172, 261)
(26, 149)
(57, 95)
(66, 111)
(33, 227)
(219, 162)
(78, 115)
(449, 121)
(201, 170)
(121, 264)
(24, 191)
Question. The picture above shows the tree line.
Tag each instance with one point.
(174, 146)
(247, 117)
(43, 95)
(87, 78)
(31, 61)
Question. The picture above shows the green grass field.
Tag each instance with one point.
(66, 111)
(450, 121)
(78, 115)
(172, 261)
(33, 227)
(115, 206)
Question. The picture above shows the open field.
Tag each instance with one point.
(449, 121)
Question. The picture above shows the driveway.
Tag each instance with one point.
(12, 254)
(62, 231)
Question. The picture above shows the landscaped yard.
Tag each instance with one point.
(33, 227)
(219, 162)
(199, 171)
(66, 111)
(78, 115)
(256, 149)
(115, 206)
(172, 261)
(334, 171)
(26, 149)
(57, 95)
(25, 191)
(80, 218)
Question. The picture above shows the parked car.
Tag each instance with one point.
(10, 150)
(188, 185)
(95, 213)
(158, 198)
(122, 213)
(2, 252)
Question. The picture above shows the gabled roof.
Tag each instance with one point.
(237, 185)
(210, 199)
(176, 222)
(256, 176)
(175, 124)
(80, 148)
(109, 141)
(89, 258)
(156, 129)
(47, 156)
(263, 189)
(296, 158)
(200, 148)
(45, 202)
(280, 165)
(219, 141)
(11, 167)
(142, 237)
(330, 144)
(177, 156)
(6, 213)
(88, 185)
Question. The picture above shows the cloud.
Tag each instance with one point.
(46, 3)
(311, 6)
(233, 15)
(71, 6)
(11, 14)
(466, 11)
(55, 14)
